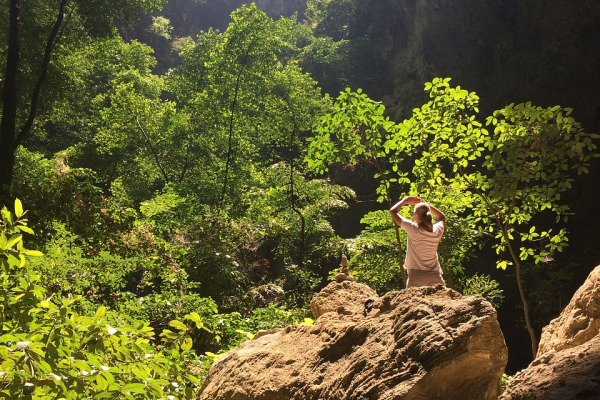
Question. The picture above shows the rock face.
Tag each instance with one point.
(419, 343)
(578, 322)
(506, 51)
(190, 17)
(568, 362)
(571, 374)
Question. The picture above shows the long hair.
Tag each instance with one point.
(425, 219)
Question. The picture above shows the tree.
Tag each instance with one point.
(246, 102)
(94, 18)
(512, 179)
(357, 129)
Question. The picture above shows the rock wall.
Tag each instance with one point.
(420, 343)
(189, 17)
(544, 51)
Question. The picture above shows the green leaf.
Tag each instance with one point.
(193, 379)
(101, 382)
(32, 253)
(13, 241)
(18, 208)
(100, 312)
(194, 316)
(178, 325)
(12, 260)
(104, 395)
(187, 343)
(8, 338)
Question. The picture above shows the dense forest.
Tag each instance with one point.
(168, 192)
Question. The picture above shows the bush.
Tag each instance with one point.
(484, 286)
(50, 351)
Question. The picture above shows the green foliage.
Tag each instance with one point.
(276, 217)
(330, 17)
(184, 150)
(247, 104)
(358, 129)
(484, 286)
(161, 27)
(51, 351)
(161, 308)
(352, 31)
(373, 255)
(12, 252)
(145, 137)
(57, 192)
(355, 130)
(69, 266)
(507, 177)
(233, 328)
(326, 60)
(502, 179)
(506, 380)
(164, 210)
(41, 36)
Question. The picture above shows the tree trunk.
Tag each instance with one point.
(292, 194)
(381, 172)
(232, 109)
(8, 137)
(37, 90)
(9, 102)
(528, 325)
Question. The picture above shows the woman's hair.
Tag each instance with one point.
(424, 213)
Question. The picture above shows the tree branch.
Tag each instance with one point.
(232, 108)
(292, 198)
(164, 173)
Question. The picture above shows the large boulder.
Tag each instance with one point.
(570, 374)
(578, 322)
(419, 343)
(567, 366)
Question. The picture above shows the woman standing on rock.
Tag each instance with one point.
(421, 260)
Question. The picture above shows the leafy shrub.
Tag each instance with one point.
(50, 351)
(374, 254)
(232, 329)
(57, 192)
(484, 286)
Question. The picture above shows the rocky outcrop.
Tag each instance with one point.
(568, 363)
(419, 343)
(571, 374)
(506, 51)
(579, 322)
(190, 17)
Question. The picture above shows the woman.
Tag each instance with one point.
(422, 260)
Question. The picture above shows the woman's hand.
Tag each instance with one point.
(411, 200)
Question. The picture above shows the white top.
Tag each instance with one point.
(421, 246)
